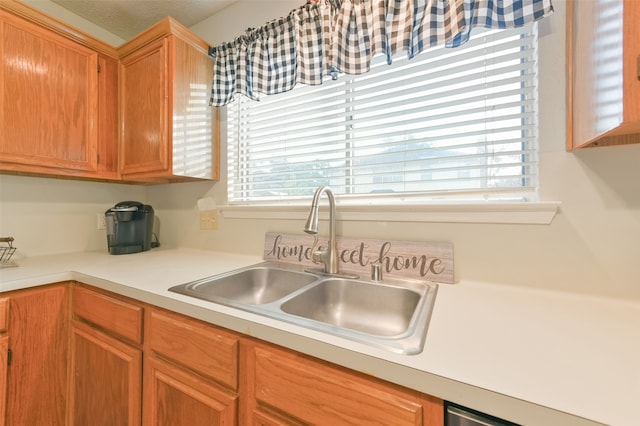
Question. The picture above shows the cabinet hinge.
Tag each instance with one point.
(9, 356)
(98, 67)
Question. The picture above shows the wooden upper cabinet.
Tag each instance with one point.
(603, 58)
(58, 113)
(49, 102)
(168, 132)
(71, 105)
(107, 117)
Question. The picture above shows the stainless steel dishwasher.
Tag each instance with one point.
(457, 415)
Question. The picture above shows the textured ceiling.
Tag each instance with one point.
(126, 18)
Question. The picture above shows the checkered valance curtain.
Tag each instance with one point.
(326, 37)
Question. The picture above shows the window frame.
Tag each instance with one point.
(409, 209)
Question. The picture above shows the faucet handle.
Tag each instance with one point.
(376, 272)
(317, 256)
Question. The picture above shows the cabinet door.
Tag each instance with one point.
(48, 100)
(4, 352)
(194, 136)
(168, 131)
(174, 397)
(603, 59)
(38, 337)
(144, 109)
(106, 379)
(313, 392)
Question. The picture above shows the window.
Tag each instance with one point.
(448, 124)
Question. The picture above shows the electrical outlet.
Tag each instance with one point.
(209, 220)
(100, 221)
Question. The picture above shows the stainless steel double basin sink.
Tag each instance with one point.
(392, 314)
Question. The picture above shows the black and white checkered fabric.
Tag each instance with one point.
(328, 10)
(311, 57)
(277, 71)
(224, 74)
(351, 44)
(327, 37)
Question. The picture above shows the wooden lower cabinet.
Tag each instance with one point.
(208, 351)
(191, 372)
(284, 388)
(109, 360)
(174, 396)
(4, 356)
(106, 379)
(106, 360)
(38, 334)
(4, 352)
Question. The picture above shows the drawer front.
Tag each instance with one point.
(314, 393)
(4, 314)
(114, 315)
(195, 345)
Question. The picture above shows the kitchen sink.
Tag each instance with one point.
(255, 285)
(392, 314)
(376, 309)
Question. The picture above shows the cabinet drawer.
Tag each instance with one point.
(314, 393)
(176, 397)
(114, 315)
(4, 314)
(195, 345)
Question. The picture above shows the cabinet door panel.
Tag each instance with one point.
(48, 98)
(38, 338)
(314, 393)
(261, 418)
(4, 349)
(174, 397)
(107, 379)
(144, 102)
(603, 114)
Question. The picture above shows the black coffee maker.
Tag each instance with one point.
(129, 227)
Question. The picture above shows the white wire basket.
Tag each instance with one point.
(6, 252)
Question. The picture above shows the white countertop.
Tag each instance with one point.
(531, 356)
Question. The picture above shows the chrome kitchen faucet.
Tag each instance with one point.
(328, 256)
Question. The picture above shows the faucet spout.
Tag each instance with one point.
(328, 256)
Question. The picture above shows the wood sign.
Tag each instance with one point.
(420, 260)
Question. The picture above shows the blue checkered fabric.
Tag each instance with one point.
(328, 37)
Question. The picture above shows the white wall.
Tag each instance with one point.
(590, 247)
(47, 216)
(79, 22)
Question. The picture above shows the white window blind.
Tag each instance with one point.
(448, 124)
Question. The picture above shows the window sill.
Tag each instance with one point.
(541, 213)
